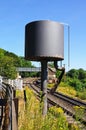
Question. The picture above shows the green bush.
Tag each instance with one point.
(81, 95)
(76, 84)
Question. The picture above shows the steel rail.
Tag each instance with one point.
(65, 102)
(69, 99)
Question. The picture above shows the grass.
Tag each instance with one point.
(70, 91)
(31, 118)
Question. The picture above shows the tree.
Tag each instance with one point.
(24, 63)
(8, 68)
(8, 63)
(73, 73)
(76, 84)
(10, 71)
(82, 74)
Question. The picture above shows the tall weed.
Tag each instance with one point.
(31, 118)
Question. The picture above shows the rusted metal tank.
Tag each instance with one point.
(44, 40)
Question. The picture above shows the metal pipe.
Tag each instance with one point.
(56, 64)
(68, 47)
(68, 43)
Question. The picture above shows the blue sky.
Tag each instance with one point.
(14, 15)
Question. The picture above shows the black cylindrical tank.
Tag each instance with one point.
(44, 40)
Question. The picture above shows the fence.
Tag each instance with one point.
(8, 108)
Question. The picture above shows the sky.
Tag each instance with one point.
(15, 14)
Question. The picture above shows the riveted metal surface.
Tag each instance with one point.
(44, 40)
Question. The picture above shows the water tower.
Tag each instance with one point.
(44, 41)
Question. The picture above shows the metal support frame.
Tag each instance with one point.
(62, 69)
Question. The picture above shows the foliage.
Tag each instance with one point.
(76, 84)
(31, 118)
(50, 85)
(73, 83)
(77, 79)
(58, 73)
(82, 74)
(81, 94)
(8, 63)
(79, 112)
(26, 63)
(73, 73)
(51, 64)
(7, 67)
(66, 89)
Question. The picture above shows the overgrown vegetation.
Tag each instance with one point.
(73, 83)
(31, 118)
(77, 80)
(8, 63)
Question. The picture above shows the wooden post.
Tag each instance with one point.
(14, 93)
(15, 114)
(25, 98)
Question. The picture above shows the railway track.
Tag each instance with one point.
(67, 103)
(70, 100)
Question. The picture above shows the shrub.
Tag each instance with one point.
(79, 112)
(81, 95)
(31, 118)
(76, 84)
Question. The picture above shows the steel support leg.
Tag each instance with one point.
(44, 85)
